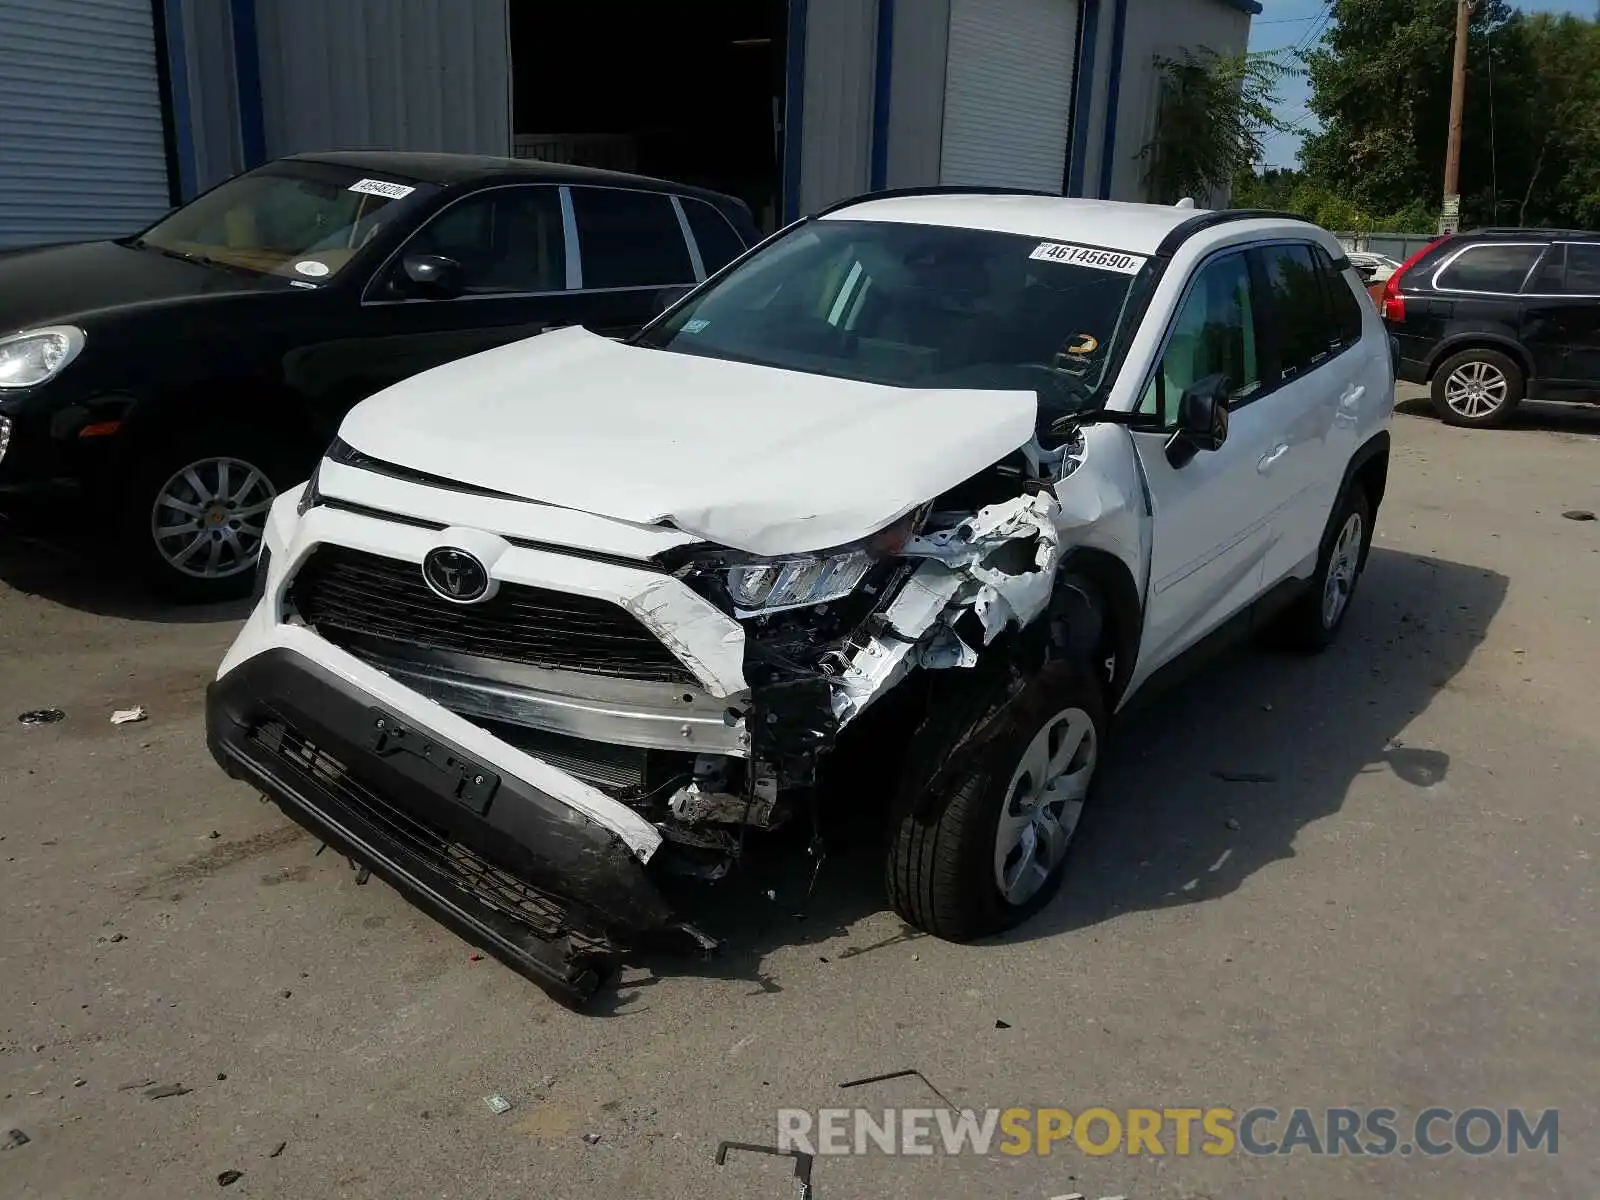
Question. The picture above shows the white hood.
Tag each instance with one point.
(750, 457)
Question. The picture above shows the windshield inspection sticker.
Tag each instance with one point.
(1085, 256)
(312, 267)
(382, 187)
(695, 325)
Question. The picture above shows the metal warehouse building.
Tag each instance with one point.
(112, 110)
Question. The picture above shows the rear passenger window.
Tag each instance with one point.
(1489, 268)
(1583, 269)
(719, 244)
(629, 239)
(1298, 309)
(1342, 303)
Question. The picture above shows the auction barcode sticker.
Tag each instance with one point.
(1087, 256)
(382, 187)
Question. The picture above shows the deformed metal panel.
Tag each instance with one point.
(836, 131)
(82, 144)
(385, 75)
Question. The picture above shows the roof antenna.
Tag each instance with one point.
(1186, 202)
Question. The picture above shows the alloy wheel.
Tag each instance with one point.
(1343, 564)
(1474, 390)
(1044, 803)
(210, 518)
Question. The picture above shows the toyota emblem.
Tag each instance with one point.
(455, 575)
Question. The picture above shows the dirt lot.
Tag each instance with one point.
(1363, 880)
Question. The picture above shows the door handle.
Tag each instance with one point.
(1271, 457)
(1353, 397)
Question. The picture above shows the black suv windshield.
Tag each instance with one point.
(299, 220)
(918, 306)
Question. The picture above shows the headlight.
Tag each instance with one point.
(772, 585)
(312, 495)
(33, 357)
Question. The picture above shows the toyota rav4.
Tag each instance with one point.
(952, 475)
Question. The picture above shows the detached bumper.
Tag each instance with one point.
(527, 877)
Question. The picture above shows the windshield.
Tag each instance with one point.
(299, 220)
(918, 306)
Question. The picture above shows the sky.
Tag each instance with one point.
(1287, 23)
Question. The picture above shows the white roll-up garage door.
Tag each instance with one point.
(1008, 92)
(82, 149)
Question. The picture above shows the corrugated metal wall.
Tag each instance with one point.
(1162, 28)
(916, 107)
(836, 131)
(82, 145)
(385, 75)
(206, 36)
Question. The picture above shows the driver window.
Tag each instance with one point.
(1215, 334)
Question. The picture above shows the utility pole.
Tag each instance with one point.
(1450, 215)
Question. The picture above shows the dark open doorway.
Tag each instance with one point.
(688, 92)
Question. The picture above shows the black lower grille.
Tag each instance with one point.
(343, 592)
(486, 883)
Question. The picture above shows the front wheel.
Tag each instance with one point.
(194, 513)
(987, 848)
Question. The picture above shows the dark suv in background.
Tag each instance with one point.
(1493, 316)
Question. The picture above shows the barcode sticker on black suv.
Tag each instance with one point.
(1088, 256)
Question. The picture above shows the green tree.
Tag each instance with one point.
(1215, 113)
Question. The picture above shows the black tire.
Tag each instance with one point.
(154, 471)
(941, 873)
(1498, 374)
(1305, 626)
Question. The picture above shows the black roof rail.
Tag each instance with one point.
(1222, 216)
(943, 189)
(1532, 231)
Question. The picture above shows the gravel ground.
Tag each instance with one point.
(1397, 908)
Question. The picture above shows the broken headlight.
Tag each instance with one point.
(774, 584)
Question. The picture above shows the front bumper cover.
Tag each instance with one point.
(541, 886)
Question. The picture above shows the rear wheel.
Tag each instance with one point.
(194, 512)
(1313, 622)
(1477, 388)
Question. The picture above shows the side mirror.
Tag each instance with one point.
(433, 275)
(667, 297)
(1202, 419)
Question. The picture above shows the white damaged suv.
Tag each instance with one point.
(945, 475)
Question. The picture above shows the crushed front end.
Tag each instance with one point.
(530, 755)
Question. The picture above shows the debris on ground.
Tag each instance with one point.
(14, 1138)
(999, 1024)
(129, 716)
(111, 938)
(229, 1178)
(136, 1085)
(802, 1161)
(592, 1139)
(41, 716)
(278, 1149)
(163, 1091)
(1232, 822)
(1578, 514)
(1245, 777)
(497, 1104)
(908, 1073)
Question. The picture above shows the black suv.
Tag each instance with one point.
(1494, 315)
(190, 373)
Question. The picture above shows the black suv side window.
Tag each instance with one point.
(1342, 303)
(1583, 269)
(719, 244)
(505, 240)
(629, 239)
(1489, 267)
(1298, 310)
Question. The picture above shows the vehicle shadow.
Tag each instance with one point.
(56, 549)
(1552, 415)
(1202, 787)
